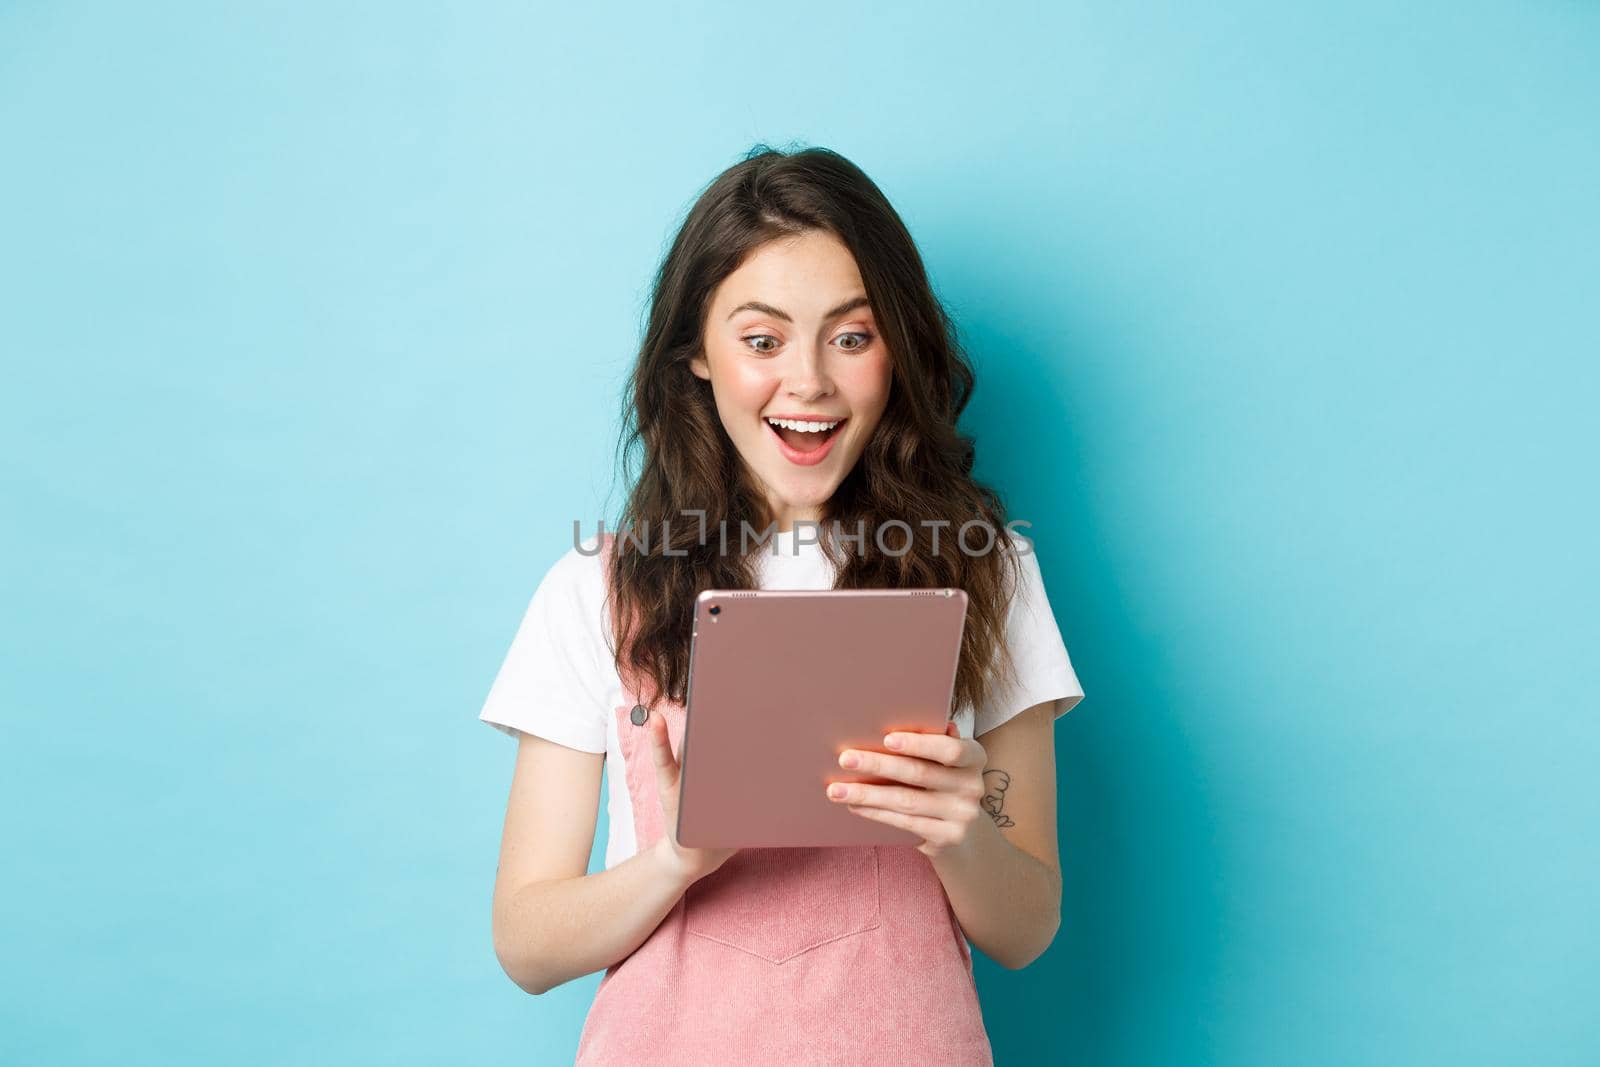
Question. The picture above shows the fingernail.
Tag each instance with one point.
(849, 759)
(836, 790)
(892, 740)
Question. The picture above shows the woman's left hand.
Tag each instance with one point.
(941, 798)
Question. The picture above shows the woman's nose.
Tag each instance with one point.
(806, 378)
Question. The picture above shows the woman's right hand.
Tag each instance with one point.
(691, 863)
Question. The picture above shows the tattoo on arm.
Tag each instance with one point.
(994, 797)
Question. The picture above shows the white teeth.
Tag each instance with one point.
(805, 427)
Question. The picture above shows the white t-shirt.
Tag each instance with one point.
(559, 681)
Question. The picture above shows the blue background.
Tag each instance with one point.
(315, 322)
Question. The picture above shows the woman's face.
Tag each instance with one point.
(789, 336)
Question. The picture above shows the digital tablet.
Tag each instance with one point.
(781, 682)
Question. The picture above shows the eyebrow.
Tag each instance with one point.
(768, 309)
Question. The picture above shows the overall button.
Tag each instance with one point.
(639, 714)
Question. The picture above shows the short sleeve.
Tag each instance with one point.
(552, 682)
(1043, 668)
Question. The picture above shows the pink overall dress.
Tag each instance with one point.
(786, 956)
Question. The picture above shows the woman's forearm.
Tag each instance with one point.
(1008, 902)
(547, 933)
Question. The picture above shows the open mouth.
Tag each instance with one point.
(804, 441)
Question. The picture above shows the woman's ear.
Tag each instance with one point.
(700, 367)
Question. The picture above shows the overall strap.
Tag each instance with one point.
(639, 703)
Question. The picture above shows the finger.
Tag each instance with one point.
(923, 773)
(661, 749)
(934, 831)
(942, 748)
(899, 798)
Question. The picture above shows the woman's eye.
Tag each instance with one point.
(765, 342)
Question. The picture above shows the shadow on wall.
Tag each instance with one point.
(1142, 903)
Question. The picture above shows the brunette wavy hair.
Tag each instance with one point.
(916, 468)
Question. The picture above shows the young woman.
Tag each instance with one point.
(796, 373)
